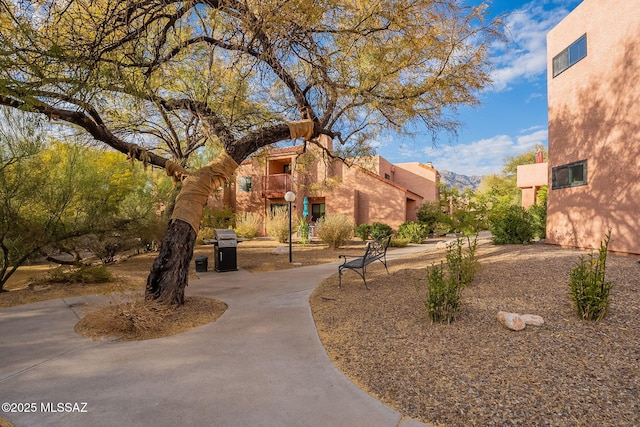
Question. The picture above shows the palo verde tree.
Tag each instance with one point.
(156, 78)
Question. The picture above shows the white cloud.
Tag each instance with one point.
(485, 156)
(524, 55)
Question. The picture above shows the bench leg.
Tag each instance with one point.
(385, 265)
(362, 275)
(364, 279)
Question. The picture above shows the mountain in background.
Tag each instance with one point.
(461, 182)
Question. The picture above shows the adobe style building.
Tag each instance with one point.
(373, 190)
(593, 58)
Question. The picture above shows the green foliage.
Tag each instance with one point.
(511, 226)
(538, 216)
(248, 225)
(462, 262)
(429, 213)
(303, 231)
(413, 232)
(441, 296)
(441, 228)
(379, 229)
(362, 231)
(588, 287)
(67, 197)
(335, 230)
(278, 224)
(397, 242)
(212, 219)
(85, 275)
(217, 218)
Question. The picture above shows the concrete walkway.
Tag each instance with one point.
(260, 364)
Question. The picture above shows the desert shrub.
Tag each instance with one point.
(511, 226)
(412, 231)
(441, 297)
(429, 213)
(248, 225)
(538, 215)
(85, 274)
(335, 230)
(362, 231)
(397, 242)
(588, 287)
(303, 231)
(462, 262)
(379, 229)
(278, 224)
(441, 228)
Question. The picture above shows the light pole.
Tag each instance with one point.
(290, 196)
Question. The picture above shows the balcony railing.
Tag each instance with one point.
(275, 186)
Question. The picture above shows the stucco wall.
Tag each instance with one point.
(594, 115)
(418, 178)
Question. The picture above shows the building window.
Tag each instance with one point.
(571, 175)
(317, 211)
(570, 55)
(244, 184)
(387, 176)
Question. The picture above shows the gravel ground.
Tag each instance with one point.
(476, 372)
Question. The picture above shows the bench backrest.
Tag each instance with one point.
(377, 248)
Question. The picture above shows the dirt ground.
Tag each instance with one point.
(476, 372)
(473, 372)
(131, 273)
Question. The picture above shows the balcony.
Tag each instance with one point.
(275, 186)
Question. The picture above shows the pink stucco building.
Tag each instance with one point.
(374, 190)
(593, 58)
(530, 178)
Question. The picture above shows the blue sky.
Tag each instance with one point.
(512, 116)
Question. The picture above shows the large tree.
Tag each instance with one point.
(156, 79)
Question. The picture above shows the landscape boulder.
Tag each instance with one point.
(512, 321)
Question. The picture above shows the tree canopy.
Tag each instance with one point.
(157, 79)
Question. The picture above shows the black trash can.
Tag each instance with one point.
(225, 249)
(202, 264)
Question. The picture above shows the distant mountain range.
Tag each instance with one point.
(461, 182)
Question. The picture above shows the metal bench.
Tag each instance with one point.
(376, 251)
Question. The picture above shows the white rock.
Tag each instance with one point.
(281, 250)
(532, 319)
(512, 321)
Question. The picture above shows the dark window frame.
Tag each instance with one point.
(245, 184)
(318, 210)
(570, 56)
(569, 175)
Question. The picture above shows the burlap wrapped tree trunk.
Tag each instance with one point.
(169, 274)
(170, 270)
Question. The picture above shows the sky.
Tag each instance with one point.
(512, 116)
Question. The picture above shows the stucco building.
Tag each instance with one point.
(373, 190)
(593, 58)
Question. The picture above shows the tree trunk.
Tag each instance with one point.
(169, 274)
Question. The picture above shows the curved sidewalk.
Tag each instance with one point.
(260, 364)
